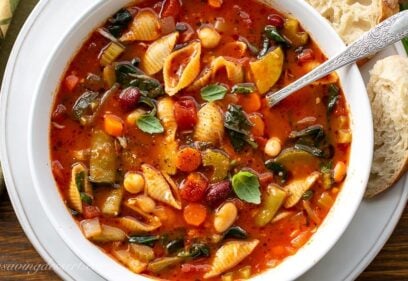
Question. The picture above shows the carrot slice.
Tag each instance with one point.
(258, 130)
(113, 125)
(188, 159)
(195, 214)
(71, 81)
(250, 102)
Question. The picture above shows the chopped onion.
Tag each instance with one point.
(221, 25)
(105, 33)
(91, 227)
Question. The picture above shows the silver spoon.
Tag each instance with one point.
(383, 35)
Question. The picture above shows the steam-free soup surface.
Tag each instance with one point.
(167, 154)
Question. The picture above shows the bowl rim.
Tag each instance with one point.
(104, 260)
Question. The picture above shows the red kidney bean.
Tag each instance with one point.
(129, 98)
(265, 178)
(193, 188)
(91, 212)
(218, 193)
(276, 20)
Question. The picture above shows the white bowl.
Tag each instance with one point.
(321, 242)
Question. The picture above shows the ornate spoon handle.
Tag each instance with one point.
(383, 35)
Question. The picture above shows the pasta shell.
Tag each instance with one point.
(129, 261)
(109, 234)
(79, 183)
(136, 226)
(210, 124)
(297, 187)
(234, 70)
(229, 255)
(158, 188)
(167, 151)
(144, 27)
(157, 52)
(267, 70)
(181, 68)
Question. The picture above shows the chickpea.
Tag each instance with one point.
(225, 217)
(339, 171)
(273, 147)
(133, 182)
(145, 203)
(209, 37)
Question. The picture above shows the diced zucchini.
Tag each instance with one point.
(161, 264)
(220, 163)
(272, 201)
(111, 206)
(109, 234)
(142, 252)
(103, 162)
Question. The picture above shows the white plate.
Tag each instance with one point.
(364, 238)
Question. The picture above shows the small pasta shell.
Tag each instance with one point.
(210, 124)
(234, 70)
(267, 70)
(296, 188)
(229, 255)
(109, 234)
(144, 27)
(157, 52)
(181, 68)
(136, 226)
(158, 188)
(202, 80)
(165, 112)
(129, 261)
(79, 183)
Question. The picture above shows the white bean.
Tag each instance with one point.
(225, 216)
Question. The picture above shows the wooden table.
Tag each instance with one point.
(15, 249)
(390, 265)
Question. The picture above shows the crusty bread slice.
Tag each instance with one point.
(352, 18)
(388, 93)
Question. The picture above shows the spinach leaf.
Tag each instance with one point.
(323, 152)
(82, 105)
(243, 88)
(119, 22)
(272, 33)
(246, 187)
(196, 250)
(123, 71)
(147, 85)
(278, 169)
(238, 127)
(333, 97)
(213, 92)
(174, 246)
(148, 240)
(235, 232)
(315, 131)
(86, 198)
(150, 103)
(149, 124)
(80, 181)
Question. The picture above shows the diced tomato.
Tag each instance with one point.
(194, 187)
(305, 56)
(170, 8)
(90, 212)
(71, 81)
(185, 112)
(59, 113)
(188, 267)
(265, 179)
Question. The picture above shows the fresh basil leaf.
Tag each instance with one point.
(333, 97)
(246, 187)
(243, 88)
(272, 33)
(149, 124)
(213, 92)
(148, 240)
(235, 232)
(86, 198)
